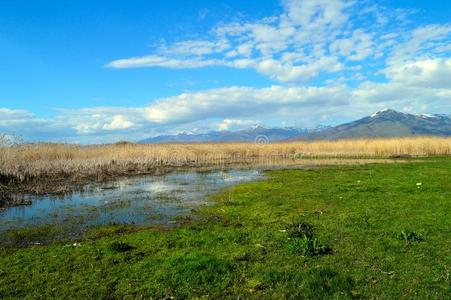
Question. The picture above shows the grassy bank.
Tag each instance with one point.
(374, 231)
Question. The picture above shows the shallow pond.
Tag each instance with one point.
(144, 200)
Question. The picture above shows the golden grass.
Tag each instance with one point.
(31, 161)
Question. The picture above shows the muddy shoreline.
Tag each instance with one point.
(13, 189)
(8, 199)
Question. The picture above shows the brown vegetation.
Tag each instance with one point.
(28, 162)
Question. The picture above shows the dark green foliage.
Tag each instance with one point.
(302, 240)
(117, 246)
(300, 229)
(410, 236)
(308, 246)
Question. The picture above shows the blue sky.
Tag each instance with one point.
(97, 71)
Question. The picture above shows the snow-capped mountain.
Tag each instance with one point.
(387, 123)
(384, 123)
(245, 135)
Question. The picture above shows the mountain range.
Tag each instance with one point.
(385, 123)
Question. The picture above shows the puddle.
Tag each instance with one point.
(144, 200)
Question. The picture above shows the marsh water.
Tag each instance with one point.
(144, 200)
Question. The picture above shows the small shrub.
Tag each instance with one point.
(299, 230)
(308, 246)
(410, 236)
(120, 247)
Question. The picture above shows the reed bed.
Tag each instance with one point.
(27, 162)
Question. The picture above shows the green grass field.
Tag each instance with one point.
(380, 231)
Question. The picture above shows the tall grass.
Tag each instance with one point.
(30, 161)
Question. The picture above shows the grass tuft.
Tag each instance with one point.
(410, 236)
(302, 240)
(308, 246)
(117, 246)
(299, 230)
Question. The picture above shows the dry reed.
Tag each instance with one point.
(27, 162)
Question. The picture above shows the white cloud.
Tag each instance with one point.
(355, 48)
(265, 33)
(160, 61)
(422, 43)
(433, 73)
(118, 122)
(27, 124)
(234, 124)
(240, 102)
(13, 116)
(315, 15)
(308, 39)
(289, 47)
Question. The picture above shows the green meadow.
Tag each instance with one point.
(377, 231)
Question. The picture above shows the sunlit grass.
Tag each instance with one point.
(341, 232)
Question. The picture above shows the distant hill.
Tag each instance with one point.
(245, 135)
(385, 123)
(388, 123)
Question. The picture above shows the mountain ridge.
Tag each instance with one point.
(244, 135)
(384, 123)
(389, 123)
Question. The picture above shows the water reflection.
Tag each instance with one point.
(141, 200)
